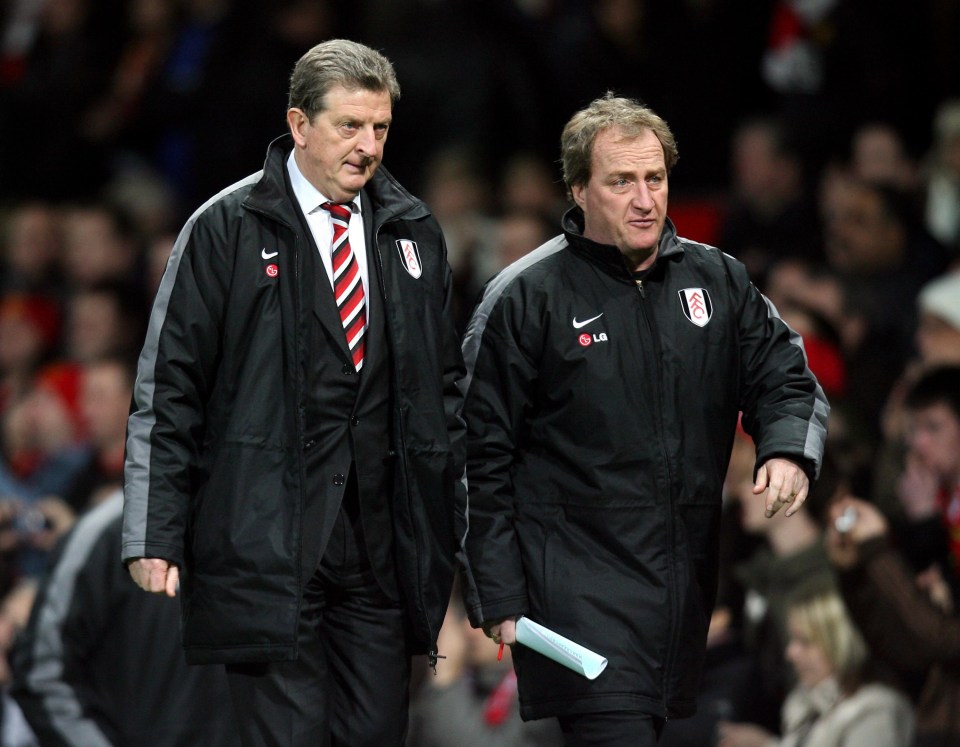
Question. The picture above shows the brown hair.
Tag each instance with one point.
(627, 115)
(339, 62)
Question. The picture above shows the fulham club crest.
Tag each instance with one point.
(696, 305)
(410, 256)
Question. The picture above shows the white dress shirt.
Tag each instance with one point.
(321, 225)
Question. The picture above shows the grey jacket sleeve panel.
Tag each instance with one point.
(500, 378)
(174, 374)
(784, 407)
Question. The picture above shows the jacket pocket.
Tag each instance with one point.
(241, 579)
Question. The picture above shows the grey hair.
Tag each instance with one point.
(610, 111)
(339, 62)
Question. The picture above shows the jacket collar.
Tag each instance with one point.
(607, 256)
(386, 196)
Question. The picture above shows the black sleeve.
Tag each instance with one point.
(71, 611)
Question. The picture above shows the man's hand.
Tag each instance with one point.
(155, 575)
(503, 631)
(786, 485)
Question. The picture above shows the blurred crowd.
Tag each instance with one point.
(819, 142)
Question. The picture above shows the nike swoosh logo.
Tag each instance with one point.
(268, 255)
(578, 325)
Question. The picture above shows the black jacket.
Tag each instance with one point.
(215, 477)
(601, 414)
(100, 662)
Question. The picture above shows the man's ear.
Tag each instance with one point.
(297, 120)
(576, 192)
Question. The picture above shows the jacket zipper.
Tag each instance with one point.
(299, 405)
(297, 300)
(672, 588)
(434, 654)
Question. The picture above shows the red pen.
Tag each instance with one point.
(500, 652)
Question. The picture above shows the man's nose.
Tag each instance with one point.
(642, 198)
(367, 141)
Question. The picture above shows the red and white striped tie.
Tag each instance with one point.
(347, 283)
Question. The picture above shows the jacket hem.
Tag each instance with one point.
(604, 702)
(240, 654)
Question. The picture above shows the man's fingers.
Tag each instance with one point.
(760, 484)
(155, 575)
(508, 632)
(780, 497)
(773, 506)
(798, 500)
(788, 486)
(504, 631)
(173, 581)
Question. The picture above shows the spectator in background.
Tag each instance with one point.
(913, 628)
(31, 249)
(29, 333)
(874, 242)
(43, 423)
(833, 704)
(145, 199)
(930, 486)
(879, 155)
(771, 215)
(105, 318)
(937, 343)
(517, 234)
(99, 663)
(105, 405)
(883, 257)
(458, 194)
(42, 453)
(791, 554)
(508, 238)
(938, 332)
(529, 185)
(99, 245)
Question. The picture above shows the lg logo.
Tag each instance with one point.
(586, 339)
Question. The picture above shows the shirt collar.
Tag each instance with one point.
(309, 197)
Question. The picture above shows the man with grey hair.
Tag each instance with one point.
(607, 373)
(295, 448)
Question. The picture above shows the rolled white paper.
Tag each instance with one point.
(562, 650)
